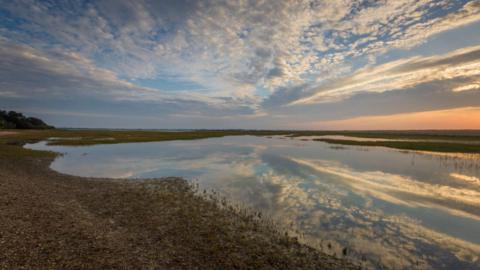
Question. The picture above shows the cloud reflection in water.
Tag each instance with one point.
(378, 203)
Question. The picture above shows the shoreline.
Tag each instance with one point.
(454, 142)
(51, 220)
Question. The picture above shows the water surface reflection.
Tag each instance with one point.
(401, 209)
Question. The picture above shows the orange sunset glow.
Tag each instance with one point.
(461, 118)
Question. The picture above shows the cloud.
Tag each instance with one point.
(469, 179)
(431, 96)
(250, 43)
(468, 87)
(403, 190)
(32, 74)
(460, 67)
(245, 56)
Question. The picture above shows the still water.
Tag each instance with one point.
(404, 210)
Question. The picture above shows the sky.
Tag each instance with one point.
(264, 64)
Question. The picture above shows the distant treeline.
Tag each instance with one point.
(15, 120)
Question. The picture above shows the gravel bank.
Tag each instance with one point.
(54, 221)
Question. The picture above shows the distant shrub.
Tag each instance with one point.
(15, 120)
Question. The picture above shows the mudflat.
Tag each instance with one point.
(53, 221)
(6, 133)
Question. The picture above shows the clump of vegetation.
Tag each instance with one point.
(447, 147)
(15, 120)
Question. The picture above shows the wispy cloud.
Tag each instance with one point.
(253, 55)
(459, 69)
(30, 73)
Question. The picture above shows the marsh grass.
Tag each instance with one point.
(285, 233)
(11, 142)
(250, 228)
(447, 147)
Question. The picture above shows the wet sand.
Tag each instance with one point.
(54, 221)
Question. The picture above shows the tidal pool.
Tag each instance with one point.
(400, 209)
